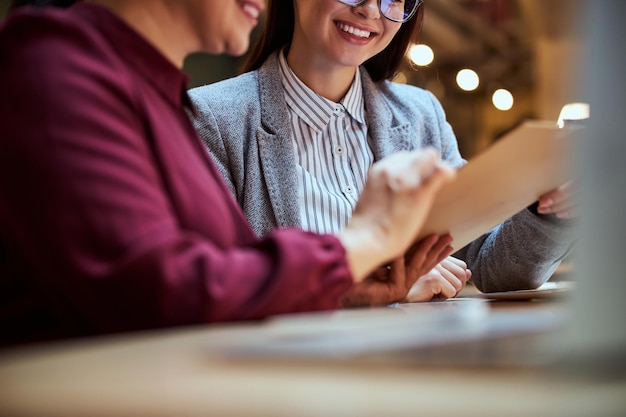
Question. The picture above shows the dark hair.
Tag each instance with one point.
(41, 3)
(279, 29)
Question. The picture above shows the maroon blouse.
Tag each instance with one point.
(112, 217)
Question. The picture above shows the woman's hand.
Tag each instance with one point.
(383, 286)
(562, 202)
(426, 255)
(444, 281)
(392, 208)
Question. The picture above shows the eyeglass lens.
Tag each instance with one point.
(396, 10)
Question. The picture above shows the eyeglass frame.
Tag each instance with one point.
(418, 3)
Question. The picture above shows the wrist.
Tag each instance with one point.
(364, 251)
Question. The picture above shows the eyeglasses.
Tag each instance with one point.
(395, 10)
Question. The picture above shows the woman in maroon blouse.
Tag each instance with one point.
(112, 218)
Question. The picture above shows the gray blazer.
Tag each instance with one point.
(245, 126)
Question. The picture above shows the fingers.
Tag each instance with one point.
(454, 273)
(385, 285)
(420, 252)
(463, 272)
(380, 274)
(429, 252)
(397, 274)
(409, 171)
(439, 251)
(418, 166)
(431, 286)
(441, 175)
(462, 269)
(455, 265)
(394, 282)
(392, 208)
(562, 210)
(444, 281)
(562, 202)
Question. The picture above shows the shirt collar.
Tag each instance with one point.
(353, 100)
(313, 109)
(138, 52)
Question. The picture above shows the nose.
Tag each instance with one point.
(368, 10)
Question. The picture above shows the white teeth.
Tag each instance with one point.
(251, 10)
(354, 31)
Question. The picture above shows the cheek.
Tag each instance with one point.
(208, 34)
(391, 30)
(386, 39)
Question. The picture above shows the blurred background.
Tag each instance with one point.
(524, 51)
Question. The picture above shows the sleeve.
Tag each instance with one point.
(91, 216)
(521, 253)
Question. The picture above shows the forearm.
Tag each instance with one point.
(520, 253)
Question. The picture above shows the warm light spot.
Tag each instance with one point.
(421, 55)
(467, 80)
(502, 99)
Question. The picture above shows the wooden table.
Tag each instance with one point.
(202, 371)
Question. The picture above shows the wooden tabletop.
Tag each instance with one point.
(261, 369)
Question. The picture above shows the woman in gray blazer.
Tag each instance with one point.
(295, 135)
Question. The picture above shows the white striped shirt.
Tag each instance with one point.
(331, 149)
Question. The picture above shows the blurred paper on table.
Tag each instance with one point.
(549, 290)
(454, 331)
(353, 332)
(509, 176)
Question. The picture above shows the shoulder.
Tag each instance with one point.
(242, 94)
(53, 51)
(52, 35)
(413, 104)
(230, 92)
(405, 95)
(418, 108)
(29, 22)
(58, 71)
(231, 104)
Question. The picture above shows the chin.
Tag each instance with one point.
(231, 47)
(237, 49)
(238, 44)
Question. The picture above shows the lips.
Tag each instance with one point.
(252, 9)
(359, 33)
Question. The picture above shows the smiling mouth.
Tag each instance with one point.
(359, 33)
(251, 9)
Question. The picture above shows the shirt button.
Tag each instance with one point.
(339, 150)
(349, 190)
(338, 110)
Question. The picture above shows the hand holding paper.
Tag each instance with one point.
(562, 202)
(510, 175)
